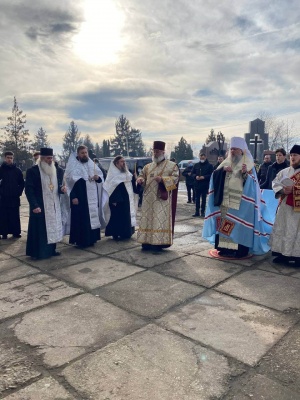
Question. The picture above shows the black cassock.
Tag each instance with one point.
(11, 188)
(119, 225)
(37, 242)
(81, 232)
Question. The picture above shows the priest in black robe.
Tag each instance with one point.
(11, 188)
(43, 187)
(120, 185)
(83, 179)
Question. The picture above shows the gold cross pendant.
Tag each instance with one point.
(51, 187)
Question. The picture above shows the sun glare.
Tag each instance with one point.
(99, 39)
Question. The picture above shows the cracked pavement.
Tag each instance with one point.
(112, 322)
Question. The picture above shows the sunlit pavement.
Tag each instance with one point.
(113, 322)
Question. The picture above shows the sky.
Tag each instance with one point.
(173, 68)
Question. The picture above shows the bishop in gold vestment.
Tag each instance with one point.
(159, 179)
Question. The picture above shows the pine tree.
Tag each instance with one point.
(40, 139)
(71, 141)
(211, 137)
(98, 151)
(16, 138)
(127, 140)
(87, 141)
(106, 148)
(183, 151)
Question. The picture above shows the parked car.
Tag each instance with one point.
(184, 163)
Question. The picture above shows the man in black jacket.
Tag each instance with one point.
(273, 169)
(201, 172)
(11, 188)
(189, 181)
(263, 169)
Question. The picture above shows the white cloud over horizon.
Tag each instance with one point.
(173, 68)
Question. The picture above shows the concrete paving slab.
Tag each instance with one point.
(185, 228)
(248, 262)
(95, 273)
(146, 259)
(148, 294)
(30, 292)
(200, 270)
(283, 361)
(16, 273)
(44, 389)
(150, 364)
(15, 247)
(15, 368)
(69, 256)
(242, 330)
(190, 244)
(261, 387)
(3, 256)
(277, 268)
(107, 246)
(68, 329)
(266, 288)
(7, 263)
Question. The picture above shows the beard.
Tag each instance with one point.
(123, 169)
(49, 170)
(83, 159)
(236, 159)
(158, 159)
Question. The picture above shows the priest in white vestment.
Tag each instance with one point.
(159, 179)
(285, 237)
(88, 200)
(42, 188)
(120, 185)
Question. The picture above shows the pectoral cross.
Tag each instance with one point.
(51, 186)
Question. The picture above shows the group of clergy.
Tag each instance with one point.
(79, 202)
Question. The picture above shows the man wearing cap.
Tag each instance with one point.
(42, 189)
(159, 179)
(87, 198)
(233, 220)
(11, 188)
(285, 237)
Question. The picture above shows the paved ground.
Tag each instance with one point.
(113, 322)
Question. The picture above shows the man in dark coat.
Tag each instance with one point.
(120, 185)
(201, 173)
(220, 160)
(189, 181)
(83, 177)
(11, 188)
(42, 190)
(273, 169)
(263, 169)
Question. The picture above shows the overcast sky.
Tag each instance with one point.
(173, 68)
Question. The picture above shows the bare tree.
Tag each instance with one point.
(281, 133)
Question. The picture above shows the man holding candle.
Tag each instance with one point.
(83, 179)
(121, 186)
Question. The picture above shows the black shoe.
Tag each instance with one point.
(281, 260)
(202, 215)
(188, 202)
(17, 236)
(196, 215)
(146, 246)
(56, 253)
(4, 237)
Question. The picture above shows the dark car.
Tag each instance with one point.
(134, 164)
